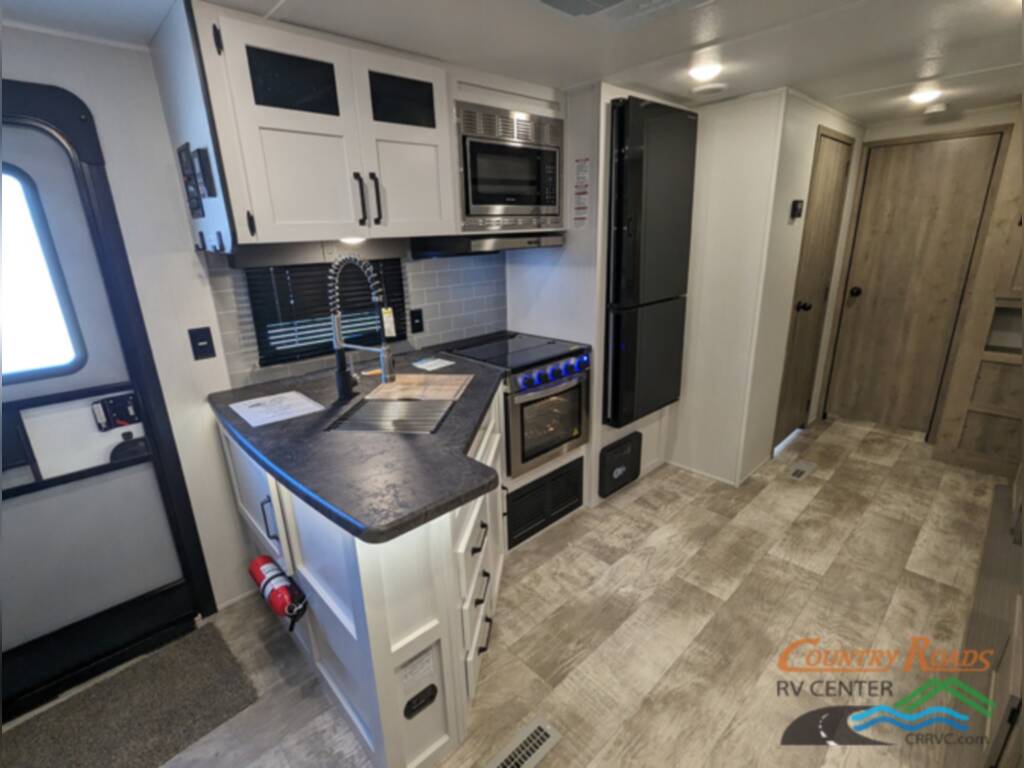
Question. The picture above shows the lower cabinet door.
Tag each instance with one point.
(257, 500)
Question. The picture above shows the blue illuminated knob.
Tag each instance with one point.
(583, 362)
(568, 367)
(554, 372)
(525, 382)
(539, 377)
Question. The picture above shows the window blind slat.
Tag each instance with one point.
(291, 314)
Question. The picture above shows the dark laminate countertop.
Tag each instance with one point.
(376, 485)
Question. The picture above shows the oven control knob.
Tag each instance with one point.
(525, 381)
(568, 367)
(539, 377)
(583, 362)
(554, 372)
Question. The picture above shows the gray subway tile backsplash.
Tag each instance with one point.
(460, 297)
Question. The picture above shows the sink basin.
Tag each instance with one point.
(408, 416)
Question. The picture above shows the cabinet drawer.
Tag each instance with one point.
(481, 442)
(481, 645)
(469, 550)
(492, 457)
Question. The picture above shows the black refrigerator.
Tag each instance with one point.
(651, 197)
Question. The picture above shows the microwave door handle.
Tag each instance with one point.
(540, 394)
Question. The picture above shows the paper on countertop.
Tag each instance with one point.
(432, 363)
(267, 410)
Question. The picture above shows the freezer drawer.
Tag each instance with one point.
(644, 361)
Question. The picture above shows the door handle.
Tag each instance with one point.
(474, 551)
(490, 629)
(362, 197)
(266, 524)
(856, 291)
(376, 191)
(487, 586)
(804, 306)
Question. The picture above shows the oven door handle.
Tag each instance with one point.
(548, 391)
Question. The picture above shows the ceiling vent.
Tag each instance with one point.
(619, 9)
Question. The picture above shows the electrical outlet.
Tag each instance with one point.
(416, 320)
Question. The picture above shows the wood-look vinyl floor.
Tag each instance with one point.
(647, 629)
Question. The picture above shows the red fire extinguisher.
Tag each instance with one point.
(278, 591)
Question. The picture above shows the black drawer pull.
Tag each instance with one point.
(483, 597)
(266, 524)
(490, 629)
(362, 198)
(376, 189)
(483, 540)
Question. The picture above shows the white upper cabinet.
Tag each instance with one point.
(406, 141)
(295, 110)
(290, 135)
(327, 140)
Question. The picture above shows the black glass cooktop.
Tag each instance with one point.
(516, 351)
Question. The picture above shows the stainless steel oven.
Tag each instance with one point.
(511, 169)
(546, 421)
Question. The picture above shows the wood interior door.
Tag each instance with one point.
(920, 211)
(824, 213)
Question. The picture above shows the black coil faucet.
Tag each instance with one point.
(342, 375)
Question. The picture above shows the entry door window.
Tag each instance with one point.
(40, 334)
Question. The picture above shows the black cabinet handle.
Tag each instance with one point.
(803, 306)
(490, 629)
(362, 197)
(483, 597)
(376, 191)
(483, 540)
(266, 524)
(856, 291)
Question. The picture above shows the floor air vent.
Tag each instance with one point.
(802, 469)
(528, 748)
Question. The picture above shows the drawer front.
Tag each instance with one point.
(471, 544)
(480, 646)
(482, 439)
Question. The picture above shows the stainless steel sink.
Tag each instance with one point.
(410, 416)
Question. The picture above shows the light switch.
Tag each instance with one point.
(202, 343)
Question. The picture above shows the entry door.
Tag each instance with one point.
(85, 528)
(920, 211)
(817, 256)
(295, 106)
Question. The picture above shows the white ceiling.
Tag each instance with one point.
(860, 56)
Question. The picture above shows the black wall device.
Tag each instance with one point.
(416, 320)
(114, 412)
(202, 343)
(620, 464)
(796, 209)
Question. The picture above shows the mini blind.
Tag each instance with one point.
(292, 319)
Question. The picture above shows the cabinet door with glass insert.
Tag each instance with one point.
(295, 111)
(406, 141)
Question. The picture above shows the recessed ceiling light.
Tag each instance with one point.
(705, 72)
(708, 89)
(925, 96)
(353, 240)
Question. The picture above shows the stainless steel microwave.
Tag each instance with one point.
(510, 165)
